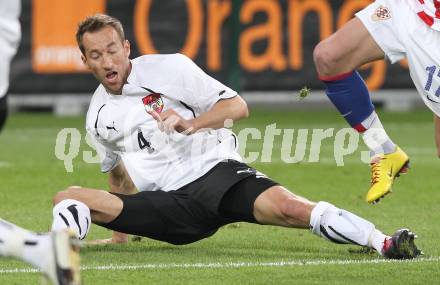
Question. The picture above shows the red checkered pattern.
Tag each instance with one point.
(429, 12)
(383, 13)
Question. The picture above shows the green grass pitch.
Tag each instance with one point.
(30, 175)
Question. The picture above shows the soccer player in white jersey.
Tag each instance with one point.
(394, 29)
(55, 254)
(158, 121)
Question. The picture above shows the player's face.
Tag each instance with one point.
(107, 56)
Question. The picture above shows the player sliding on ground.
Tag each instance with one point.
(158, 121)
(387, 28)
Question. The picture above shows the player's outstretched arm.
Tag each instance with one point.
(437, 133)
(233, 109)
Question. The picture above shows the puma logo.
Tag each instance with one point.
(112, 127)
(249, 170)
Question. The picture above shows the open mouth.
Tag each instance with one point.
(111, 76)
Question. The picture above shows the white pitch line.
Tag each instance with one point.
(219, 265)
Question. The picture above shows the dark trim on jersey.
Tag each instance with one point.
(29, 242)
(64, 219)
(149, 90)
(342, 236)
(189, 108)
(325, 233)
(96, 122)
(222, 92)
(72, 209)
(235, 140)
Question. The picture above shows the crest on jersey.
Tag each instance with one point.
(153, 102)
(382, 13)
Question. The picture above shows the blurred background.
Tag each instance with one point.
(262, 48)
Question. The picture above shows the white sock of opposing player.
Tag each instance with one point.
(22, 244)
(341, 226)
(375, 136)
(72, 214)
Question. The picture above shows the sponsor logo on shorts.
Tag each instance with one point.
(249, 170)
(258, 174)
(382, 13)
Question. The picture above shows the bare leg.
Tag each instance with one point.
(437, 133)
(347, 49)
(104, 207)
(277, 206)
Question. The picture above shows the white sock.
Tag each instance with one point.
(377, 239)
(22, 244)
(72, 214)
(340, 226)
(375, 136)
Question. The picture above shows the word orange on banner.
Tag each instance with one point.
(54, 23)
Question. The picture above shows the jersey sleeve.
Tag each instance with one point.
(203, 90)
(108, 158)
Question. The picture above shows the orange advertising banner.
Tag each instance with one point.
(268, 43)
(54, 23)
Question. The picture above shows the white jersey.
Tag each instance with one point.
(10, 34)
(123, 129)
(428, 11)
(402, 34)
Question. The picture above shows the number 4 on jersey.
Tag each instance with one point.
(143, 142)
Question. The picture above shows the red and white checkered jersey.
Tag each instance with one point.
(429, 12)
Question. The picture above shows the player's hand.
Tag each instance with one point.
(169, 121)
(106, 241)
(117, 238)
